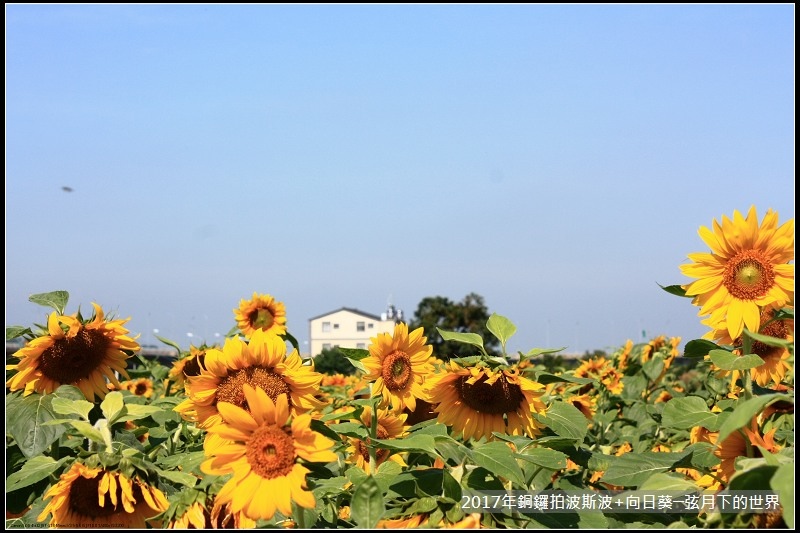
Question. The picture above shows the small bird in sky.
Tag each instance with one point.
(66, 189)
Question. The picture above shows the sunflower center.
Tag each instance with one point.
(261, 318)
(396, 371)
(71, 359)
(83, 500)
(140, 389)
(497, 398)
(270, 452)
(231, 388)
(381, 453)
(748, 275)
(193, 365)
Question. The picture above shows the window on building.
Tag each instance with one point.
(370, 325)
(326, 346)
(360, 326)
(361, 346)
(336, 326)
(326, 326)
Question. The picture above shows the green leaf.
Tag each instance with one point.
(350, 429)
(653, 368)
(181, 478)
(137, 412)
(498, 458)
(699, 348)
(12, 332)
(366, 505)
(541, 351)
(744, 412)
(450, 487)
(26, 415)
(168, 342)
(632, 469)
(782, 483)
(64, 406)
(88, 431)
(730, 361)
(112, 406)
(545, 457)
(418, 442)
(36, 469)
(769, 341)
(467, 338)
(501, 327)
(664, 481)
(356, 354)
(56, 299)
(688, 412)
(546, 378)
(565, 420)
(677, 290)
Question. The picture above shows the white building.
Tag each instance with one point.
(349, 328)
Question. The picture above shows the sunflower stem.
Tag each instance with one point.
(747, 378)
(373, 434)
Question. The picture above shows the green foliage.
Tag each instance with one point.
(470, 315)
(333, 361)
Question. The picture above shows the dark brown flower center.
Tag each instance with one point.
(748, 275)
(380, 454)
(83, 498)
(776, 328)
(261, 318)
(396, 371)
(141, 388)
(231, 388)
(194, 365)
(270, 451)
(497, 398)
(71, 359)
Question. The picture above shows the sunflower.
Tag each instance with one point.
(398, 364)
(601, 369)
(188, 366)
(261, 451)
(262, 363)
(88, 497)
(390, 426)
(475, 401)
(747, 269)
(776, 358)
(139, 387)
(84, 355)
(261, 312)
(737, 444)
(198, 516)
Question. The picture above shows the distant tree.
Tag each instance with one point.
(332, 361)
(467, 316)
(593, 354)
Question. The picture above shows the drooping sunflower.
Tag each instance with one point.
(739, 443)
(74, 352)
(398, 364)
(88, 497)
(188, 366)
(390, 426)
(748, 268)
(198, 516)
(263, 363)
(776, 358)
(261, 312)
(475, 401)
(262, 452)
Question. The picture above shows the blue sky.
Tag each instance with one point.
(557, 160)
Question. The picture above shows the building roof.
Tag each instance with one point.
(349, 310)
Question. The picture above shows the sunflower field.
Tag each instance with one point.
(247, 434)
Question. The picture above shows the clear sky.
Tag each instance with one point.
(558, 160)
